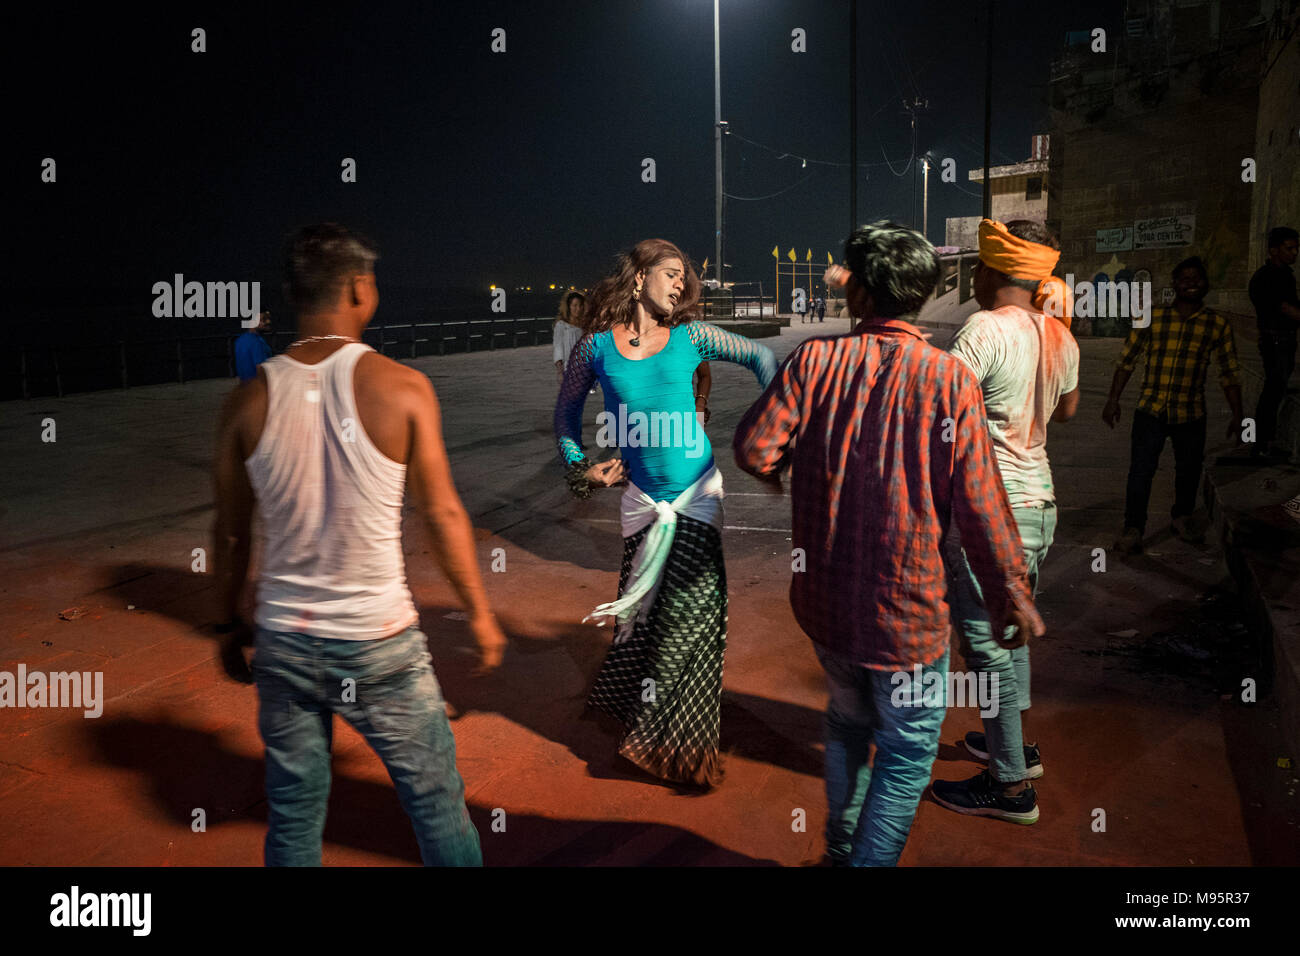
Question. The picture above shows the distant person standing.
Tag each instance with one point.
(251, 349)
(324, 443)
(568, 330)
(821, 309)
(1273, 293)
(1176, 348)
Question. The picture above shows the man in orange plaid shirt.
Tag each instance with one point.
(889, 443)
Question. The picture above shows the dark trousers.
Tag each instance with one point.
(1278, 353)
(1149, 434)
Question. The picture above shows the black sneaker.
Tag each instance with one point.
(982, 796)
(979, 748)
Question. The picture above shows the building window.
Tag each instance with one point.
(1034, 189)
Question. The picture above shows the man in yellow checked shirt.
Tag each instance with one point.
(1027, 363)
(1176, 348)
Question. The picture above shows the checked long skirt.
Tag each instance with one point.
(664, 683)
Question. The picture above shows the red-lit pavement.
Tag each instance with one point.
(107, 518)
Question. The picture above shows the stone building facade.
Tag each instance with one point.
(1150, 143)
(1276, 196)
(1019, 192)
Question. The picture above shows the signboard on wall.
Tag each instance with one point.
(1119, 239)
(1164, 232)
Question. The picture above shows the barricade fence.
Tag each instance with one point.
(62, 368)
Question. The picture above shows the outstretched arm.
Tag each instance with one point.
(1230, 378)
(715, 344)
(765, 433)
(434, 494)
(574, 389)
(1134, 346)
(581, 474)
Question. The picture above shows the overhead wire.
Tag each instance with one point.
(779, 192)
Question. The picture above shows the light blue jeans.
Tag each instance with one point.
(985, 655)
(870, 809)
(386, 690)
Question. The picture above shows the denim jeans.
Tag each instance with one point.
(1148, 441)
(983, 654)
(870, 809)
(386, 690)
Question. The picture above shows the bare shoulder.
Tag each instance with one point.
(387, 382)
(243, 413)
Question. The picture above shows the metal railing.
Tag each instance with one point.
(956, 271)
(58, 369)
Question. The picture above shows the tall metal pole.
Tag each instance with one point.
(988, 115)
(925, 198)
(912, 110)
(853, 115)
(717, 142)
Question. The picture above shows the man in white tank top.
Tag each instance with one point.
(322, 443)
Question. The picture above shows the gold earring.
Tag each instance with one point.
(637, 293)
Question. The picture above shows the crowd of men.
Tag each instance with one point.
(921, 493)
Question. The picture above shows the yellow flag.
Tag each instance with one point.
(830, 260)
(791, 255)
(808, 258)
(704, 267)
(776, 254)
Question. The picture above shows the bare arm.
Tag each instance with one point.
(232, 533)
(434, 493)
(1110, 411)
(1067, 406)
(703, 385)
(232, 529)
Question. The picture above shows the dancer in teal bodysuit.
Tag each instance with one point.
(644, 344)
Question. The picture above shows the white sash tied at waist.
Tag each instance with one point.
(701, 501)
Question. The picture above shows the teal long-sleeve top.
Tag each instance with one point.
(650, 403)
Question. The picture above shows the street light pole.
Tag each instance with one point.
(988, 113)
(925, 197)
(853, 115)
(717, 143)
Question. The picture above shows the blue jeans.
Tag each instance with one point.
(865, 707)
(386, 690)
(985, 655)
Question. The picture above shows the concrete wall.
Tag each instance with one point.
(1177, 159)
(1276, 194)
(1009, 202)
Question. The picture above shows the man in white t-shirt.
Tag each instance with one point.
(1027, 363)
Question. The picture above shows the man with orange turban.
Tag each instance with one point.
(1028, 369)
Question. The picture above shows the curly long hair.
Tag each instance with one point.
(566, 305)
(611, 303)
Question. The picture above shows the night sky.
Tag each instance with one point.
(515, 168)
